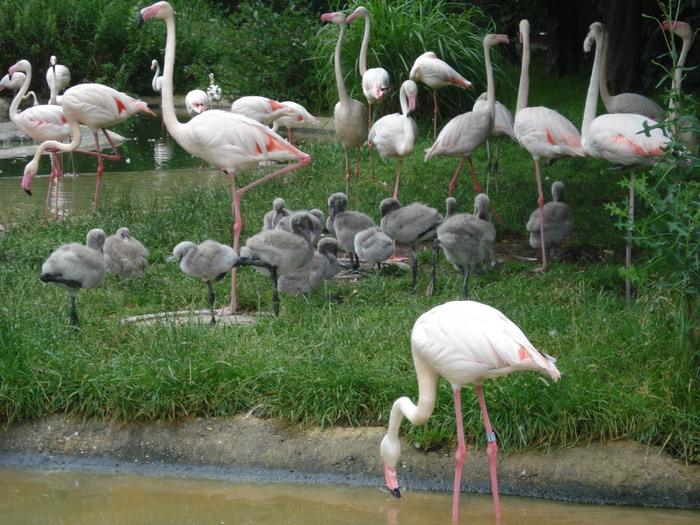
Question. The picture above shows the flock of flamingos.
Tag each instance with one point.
(464, 341)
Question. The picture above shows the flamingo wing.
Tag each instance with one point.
(619, 138)
(43, 123)
(98, 106)
(546, 133)
(462, 135)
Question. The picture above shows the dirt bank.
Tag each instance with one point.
(260, 450)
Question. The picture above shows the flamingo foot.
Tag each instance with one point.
(396, 258)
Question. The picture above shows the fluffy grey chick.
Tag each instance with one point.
(209, 261)
(409, 225)
(322, 267)
(346, 224)
(75, 266)
(276, 214)
(373, 246)
(558, 221)
(317, 218)
(279, 252)
(124, 255)
(466, 240)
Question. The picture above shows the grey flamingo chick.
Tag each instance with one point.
(76, 266)
(317, 219)
(276, 214)
(209, 260)
(278, 252)
(466, 240)
(346, 224)
(558, 221)
(373, 246)
(409, 224)
(322, 267)
(124, 255)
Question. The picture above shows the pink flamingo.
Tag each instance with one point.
(97, 107)
(542, 131)
(300, 115)
(465, 342)
(462, 135)
(349, 114)
(196, 101)
(619, 138)
(40, 123)
(263, 109)
(58, 78)
(436, 74)
(395, 135)
(229, 141)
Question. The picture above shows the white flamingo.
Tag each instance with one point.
(157, 82)
(58, 78)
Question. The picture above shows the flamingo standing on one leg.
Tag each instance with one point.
(465, 342)
(395, 135)
(375, 81)
(349, 114)
(229, 141)
(462, 135)
(540, 130)
(436, 73)
(619, 138)
(41, 123)
(97, 107)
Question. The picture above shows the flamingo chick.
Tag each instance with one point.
(373, 246)
(465, 342)
(76, 266)
(276, 214)
(124, 255)
(558, 221)
(322, 267)
(346, 224)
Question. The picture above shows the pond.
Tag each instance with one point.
(56, 497)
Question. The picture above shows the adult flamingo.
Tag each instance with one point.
(229, 141)
(263, 109)
(157, 82)
(465, 342)
(196, 101)
(462, 135)
(436, 74)
(395, 135)
(625, 102)
(213, 92)
(14, 83)
(349, 114)
(541, 131)
(619, 138)
(40, 123)
(58, 78)
(684, 31)
(98, 107)
(502, 125)
(300, 115)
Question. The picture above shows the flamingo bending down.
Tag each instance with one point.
(436, 73)
(157, 82)
(619, 138)
(465, 342)
(299, 116)
(375, 81)
(58, 78)
(349, 114)
(395, 135)
(229, 141)
(196, 101)
(98, 107)
(542, 131)
(462, 135)
(41, 123)
(263, 109)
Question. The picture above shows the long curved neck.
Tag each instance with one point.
(365, 46)
(524, 87)
(19, 96)
(678, 73)
(167, 99)
(591, 107)
(342, 93)
(603, 83)
(490, 84)
(155, 77)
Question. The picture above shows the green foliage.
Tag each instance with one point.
(400, 32)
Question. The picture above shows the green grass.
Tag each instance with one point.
(624, 374)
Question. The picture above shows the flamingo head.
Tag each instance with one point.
(682, 29)
(22, 66)
(595, 32)
(29, 173)
(524, 27)
(390, 450)
(161, 10)
(359, 12)
(336, 18)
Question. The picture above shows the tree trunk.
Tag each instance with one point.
(623, 22)
(563, 42)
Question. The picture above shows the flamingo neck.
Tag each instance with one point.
(678, 74)
(603, 82)
(490, 84)
(19, 96)
(524, 87)
(342, 93)
(591, 106)
(155, 77)
(167, 99)
(365, 46)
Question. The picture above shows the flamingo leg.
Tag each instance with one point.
(431, 286)
(465, 290)
(495, 164)
(347, 172)
(461, 453)
(211, 301)
(398, 178)
(488, 166)
(435, 114)
(100, 170)
(357, 177)
(453, 182)
(540, 204)
(491, 450)
(477, 188)
(628, 248)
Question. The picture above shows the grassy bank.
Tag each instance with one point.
(624, 374)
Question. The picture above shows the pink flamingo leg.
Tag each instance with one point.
(398, 178)
(357, 177)
(491, 450)
(435, 116)
(100, 170)
(347, 172)
(453, 182)
(478, 189)
(461, 453)
(540, 203)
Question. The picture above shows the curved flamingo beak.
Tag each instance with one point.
(390, 480)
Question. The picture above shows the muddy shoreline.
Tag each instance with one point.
(251, 449)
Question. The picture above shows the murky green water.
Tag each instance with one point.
(32, 496)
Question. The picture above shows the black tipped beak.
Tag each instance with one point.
(141, 21)
(28, 192)
(396, 493)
